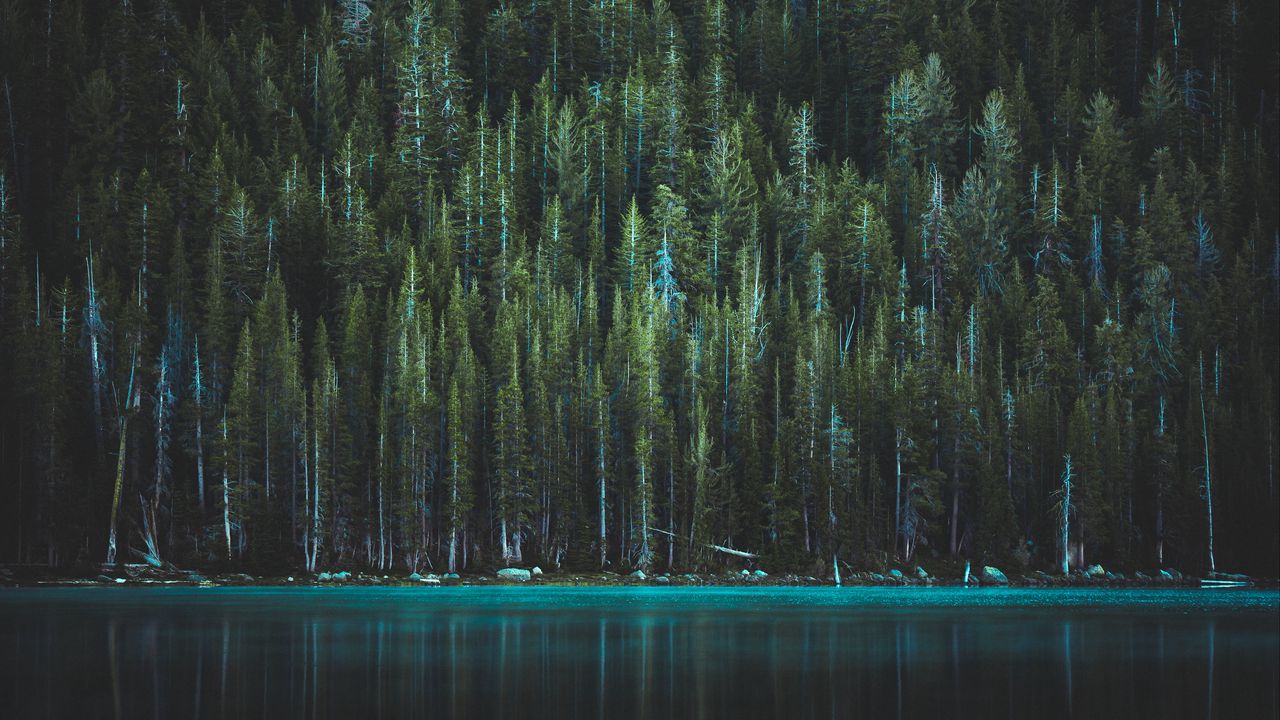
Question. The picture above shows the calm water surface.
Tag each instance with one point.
(658, 652)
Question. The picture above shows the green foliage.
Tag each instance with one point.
(614, 283)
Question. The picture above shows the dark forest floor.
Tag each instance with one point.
(14, 575)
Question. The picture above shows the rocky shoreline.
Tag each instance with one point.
(1094, 576)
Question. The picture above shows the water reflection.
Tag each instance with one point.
(541, 652)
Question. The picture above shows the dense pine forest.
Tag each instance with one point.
(410, 284)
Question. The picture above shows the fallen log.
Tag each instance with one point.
(1223, 583)
(713, 546)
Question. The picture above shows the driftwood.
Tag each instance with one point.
(1223, 583)
(713, 546)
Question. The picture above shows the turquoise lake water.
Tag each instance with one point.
(659, 652)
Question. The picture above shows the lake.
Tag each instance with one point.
(637, 652)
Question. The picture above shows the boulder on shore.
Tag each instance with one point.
(324, 577)
(514, 574)
(1095, 571)
(993, 576)
(920, 573)
(760, 574)
(896, 574)
(1164, 575)
(344, 575)
(639, 575)
(536, 570)
(415, 577)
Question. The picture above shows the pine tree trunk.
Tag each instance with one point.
(604, 538)
(226, 495)
(506, 549)
(306, 505)
(115, 496)
(315, 505)
(382, 527)
(1066, 518)
(1159, 527)
(897, 493)
(1208, 477)
(200, 459)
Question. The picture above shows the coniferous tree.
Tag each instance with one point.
(240, 435)
(636, 286)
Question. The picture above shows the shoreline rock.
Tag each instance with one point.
(1094, 576)
(992, 576)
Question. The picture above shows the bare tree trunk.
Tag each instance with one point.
(506, 549)
(1208, 477)
(131, 401)
(95, 355)
(644, 519)
(1159, 529)
(453, 527)
(119, 482)
(199, 400)
(200, 458)
(315, 502)
(293, 481)
(604, 539)
(897, 491)
(382, 526)
(161, 431)
(1066, 516)
(226, 494)
(1160, 501)
(242, 481)
(306, 503)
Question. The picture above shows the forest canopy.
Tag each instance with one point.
(408, 284)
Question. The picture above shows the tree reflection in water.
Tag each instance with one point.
(621, 653)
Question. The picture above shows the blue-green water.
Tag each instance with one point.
(661, 652)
